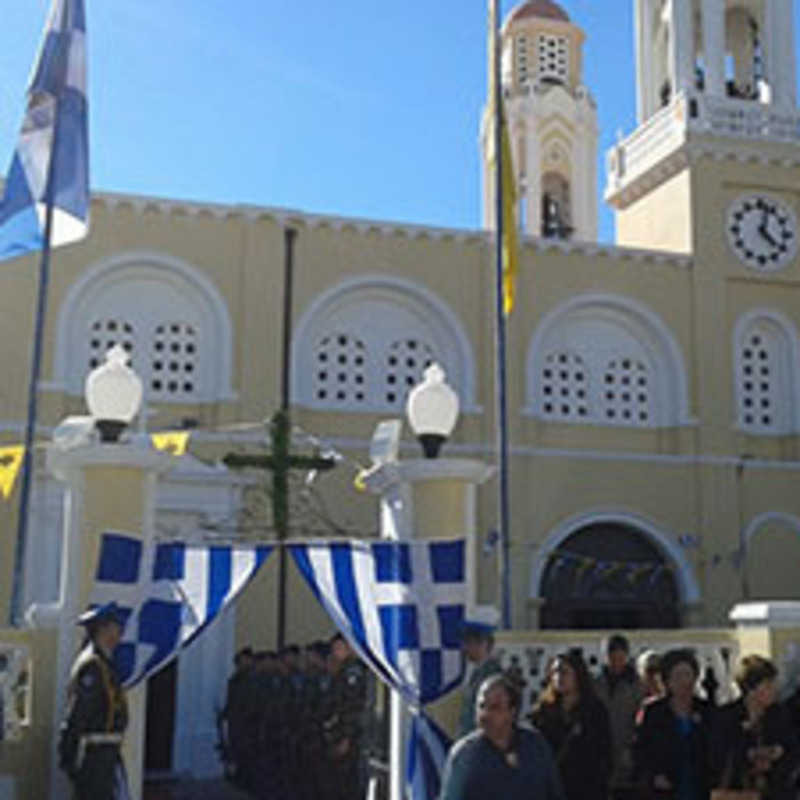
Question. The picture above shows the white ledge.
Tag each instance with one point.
(771, 613)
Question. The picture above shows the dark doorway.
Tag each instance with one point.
(609, 576)
(160, 720)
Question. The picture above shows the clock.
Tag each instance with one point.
(762, 232)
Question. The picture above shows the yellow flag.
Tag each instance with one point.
(509, 221)
(10, 462)
(509, 189)
(171, 442)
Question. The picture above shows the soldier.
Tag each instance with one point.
(97, 713)
(346, 727)
(236, 706)
(478, 641)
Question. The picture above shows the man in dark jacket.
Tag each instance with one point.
(618, 686)
(97, 713)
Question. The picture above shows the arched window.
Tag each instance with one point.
(765, 359)
(340, 368)
(565, 384)
(606, 360)
(168, 317)
(556, 206)
(402, 328)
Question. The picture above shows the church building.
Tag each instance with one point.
(653, 384)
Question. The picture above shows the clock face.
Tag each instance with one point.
(762, 232)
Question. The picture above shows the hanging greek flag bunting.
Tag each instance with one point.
(54, 129)
(171, 591)
(399, 604)
(427, 753)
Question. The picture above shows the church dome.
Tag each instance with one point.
(543, 9)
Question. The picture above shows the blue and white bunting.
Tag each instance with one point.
(54, 129)
(427, 752)
(400, 605)
(171, 592)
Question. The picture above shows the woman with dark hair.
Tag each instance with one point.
(575, 723)
(671, 745)
(755, 745)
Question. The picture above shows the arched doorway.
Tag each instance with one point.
(608, 575)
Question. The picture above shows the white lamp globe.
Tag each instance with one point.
(113, 394)
(432, 410)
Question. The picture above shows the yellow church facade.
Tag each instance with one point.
(653, 384)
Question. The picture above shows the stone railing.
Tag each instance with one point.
(15, 690)
(528, 655)
(736, 118)
(695, 112)
(647, 145)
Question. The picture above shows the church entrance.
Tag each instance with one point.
(160, 720)
(609, 576)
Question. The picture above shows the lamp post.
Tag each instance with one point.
(432, 410)
(113, 395)
(109, 486)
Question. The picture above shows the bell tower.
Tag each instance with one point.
(552, 123)
(714, 78)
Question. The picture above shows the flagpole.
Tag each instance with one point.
(503, 506)
(33, 386)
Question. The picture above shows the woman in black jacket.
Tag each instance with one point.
(575, 723)
(671, 746)
(755, 745)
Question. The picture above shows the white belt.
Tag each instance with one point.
(91, 739)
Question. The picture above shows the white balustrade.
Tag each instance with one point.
(528, 656)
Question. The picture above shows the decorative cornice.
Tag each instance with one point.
(311, 221)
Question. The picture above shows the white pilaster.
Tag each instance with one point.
(714, 46)
(681, 66)
(644, 49)
(784, 75)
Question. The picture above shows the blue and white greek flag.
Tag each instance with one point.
(172, 592)
(427, 753)
(54, 130)
(400, 605)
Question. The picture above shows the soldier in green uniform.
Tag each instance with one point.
(97, 713)
(345, 728)
(478, 642)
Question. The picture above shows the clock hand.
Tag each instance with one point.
(763, 229)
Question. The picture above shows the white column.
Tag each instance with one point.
(399, 484)
(714, 46)
(681, 51)
(783, 74)
(122, 472)
(643, 22)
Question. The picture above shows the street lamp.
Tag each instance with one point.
(432, 410)
(113, 394)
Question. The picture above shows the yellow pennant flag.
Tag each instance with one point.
(10, 462)
(509, 221)
(173, 442)
(508, 208)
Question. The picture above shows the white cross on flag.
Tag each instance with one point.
(400, 604)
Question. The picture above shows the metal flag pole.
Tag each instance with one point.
(500, 334)
(33, 386)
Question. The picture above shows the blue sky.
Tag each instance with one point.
(356, 107)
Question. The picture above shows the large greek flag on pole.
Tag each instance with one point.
(54, 130)
(172, 592)
(400, 605)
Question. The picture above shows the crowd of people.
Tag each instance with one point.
(636, 731)
(296, 722)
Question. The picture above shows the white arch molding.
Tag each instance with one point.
(767, 517)
(633, 319)
(182, 279)
(413, 302)
(665, 543)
